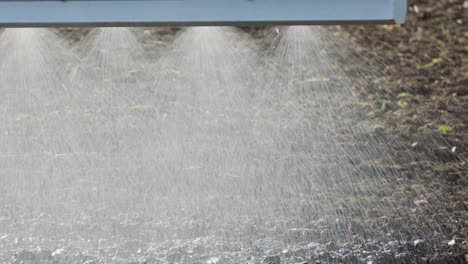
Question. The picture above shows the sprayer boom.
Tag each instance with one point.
(84, 13)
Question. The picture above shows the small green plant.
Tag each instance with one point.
(445, 129)
(403, 104)
(384, 105)
(403, 95)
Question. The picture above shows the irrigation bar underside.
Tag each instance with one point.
(93, 13)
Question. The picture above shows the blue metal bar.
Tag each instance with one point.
(56, 13)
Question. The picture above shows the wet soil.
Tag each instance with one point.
(423, 107)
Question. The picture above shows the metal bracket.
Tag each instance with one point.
(92, 13)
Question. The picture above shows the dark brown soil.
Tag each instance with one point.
(427, 58)
(426, 105)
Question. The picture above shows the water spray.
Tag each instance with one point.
(217, 146)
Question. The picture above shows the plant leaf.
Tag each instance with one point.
(445, 129)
